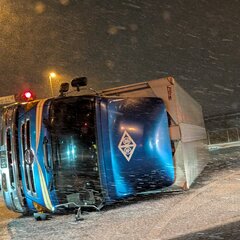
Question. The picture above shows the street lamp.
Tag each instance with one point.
(51, 76)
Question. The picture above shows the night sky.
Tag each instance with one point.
(117, 42)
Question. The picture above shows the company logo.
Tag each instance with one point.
(127, 145)
(29, 156)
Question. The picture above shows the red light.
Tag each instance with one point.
(27, 95)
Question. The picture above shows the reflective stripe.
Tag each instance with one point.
(43, 184)
(45, 193)
(39, 121)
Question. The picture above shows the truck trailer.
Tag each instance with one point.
(94, 149)
(186, 125)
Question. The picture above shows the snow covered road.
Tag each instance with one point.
(210, 210)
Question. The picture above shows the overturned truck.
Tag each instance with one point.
(94, 149)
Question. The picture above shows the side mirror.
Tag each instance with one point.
(63, 88)
(79, 82)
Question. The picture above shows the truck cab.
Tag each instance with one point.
(92, 150)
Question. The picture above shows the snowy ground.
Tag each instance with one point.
(210, 210)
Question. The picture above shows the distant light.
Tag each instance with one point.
(64, 2)
(40, 7)
(52, 74)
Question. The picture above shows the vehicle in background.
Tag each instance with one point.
(11, 178)
(6, 100)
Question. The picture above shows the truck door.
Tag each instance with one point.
(134, 146)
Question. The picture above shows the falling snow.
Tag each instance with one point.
(122, 43)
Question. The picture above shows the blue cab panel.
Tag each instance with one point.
(34, 149)
(135, 148)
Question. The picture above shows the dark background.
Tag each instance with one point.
(115, 43)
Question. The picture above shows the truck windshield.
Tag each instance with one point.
(73, 140)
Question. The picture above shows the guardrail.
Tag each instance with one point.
(223, 138)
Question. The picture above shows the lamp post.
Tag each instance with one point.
(51, 76)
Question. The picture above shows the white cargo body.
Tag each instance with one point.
(187, 130)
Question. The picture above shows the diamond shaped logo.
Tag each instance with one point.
(127, 145)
